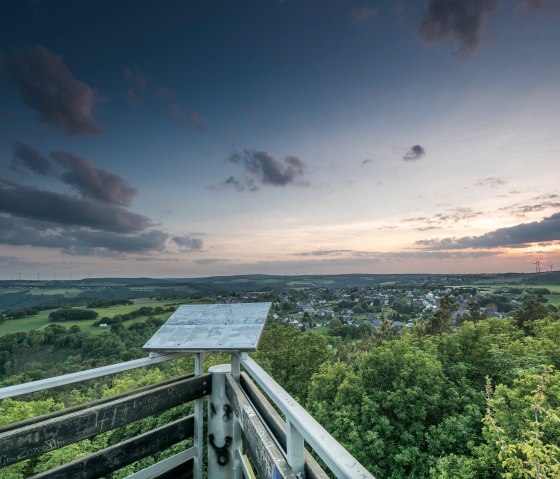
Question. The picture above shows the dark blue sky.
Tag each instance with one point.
(189, 138)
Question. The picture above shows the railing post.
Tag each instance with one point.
(294, 449)
(237, 438)
(220, 426)
(198, 421)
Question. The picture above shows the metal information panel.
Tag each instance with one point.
(211, 327)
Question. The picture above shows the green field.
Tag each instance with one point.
(41, 320)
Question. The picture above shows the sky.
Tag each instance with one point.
(188, 139)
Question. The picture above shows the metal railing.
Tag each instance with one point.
(240, 419)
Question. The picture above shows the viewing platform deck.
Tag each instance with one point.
(243, 437)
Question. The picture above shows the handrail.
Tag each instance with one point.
(33, 386)
(336, 457)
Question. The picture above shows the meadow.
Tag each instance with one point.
(41, 320)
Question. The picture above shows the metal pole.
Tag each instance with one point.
(294, 449)
(220, 426)
(198, 421)
(237, 434)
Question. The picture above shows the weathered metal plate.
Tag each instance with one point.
(211, 327)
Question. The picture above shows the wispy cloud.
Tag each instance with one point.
(492, 182)
(364, 14)
(49, 87)
(187, 118)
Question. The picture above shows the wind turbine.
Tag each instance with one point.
(537, 266)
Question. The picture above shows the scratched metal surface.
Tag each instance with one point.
(211, 327)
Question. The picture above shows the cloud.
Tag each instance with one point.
(11, 261)
(332, 252)
(337, 255)
(76, 240)
(135, 79)
(188, 243)
(211, 261)
(32, 203)
(261, 168)
(30, 159)
(364, 14)
(522, 210)
(95, 243)
(48, 86)
(415, 153)
(492, 182)
(460, 20)
(535, 5)
(452, 215)
(514, 236)
(91, 182)
(187, 118)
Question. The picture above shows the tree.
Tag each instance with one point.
(474, 311)
(530, 311)
(291, 357)
(441, 320)
(522, 423)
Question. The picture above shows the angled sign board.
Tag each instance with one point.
(211, 327)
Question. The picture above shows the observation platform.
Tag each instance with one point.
(243, 435)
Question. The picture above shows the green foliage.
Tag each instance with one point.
(523, 423)
(441, 320)
(530, 311)
(291, 357)
(20, 313)
(72, 314)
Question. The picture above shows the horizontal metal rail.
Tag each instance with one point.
(33, 386)
(336, 457)
(115, 457)
(166, 465)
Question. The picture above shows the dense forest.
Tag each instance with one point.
(475, 400)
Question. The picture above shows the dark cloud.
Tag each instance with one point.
(460, 20)
(492, 182)
(48, 86)
(187, 118)
(91, 182)
(30, 159)
(261, 168)
(514, 236)
(32, 203)
(415, 153)
(188, 243)
(96, 243)
(78, 241)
